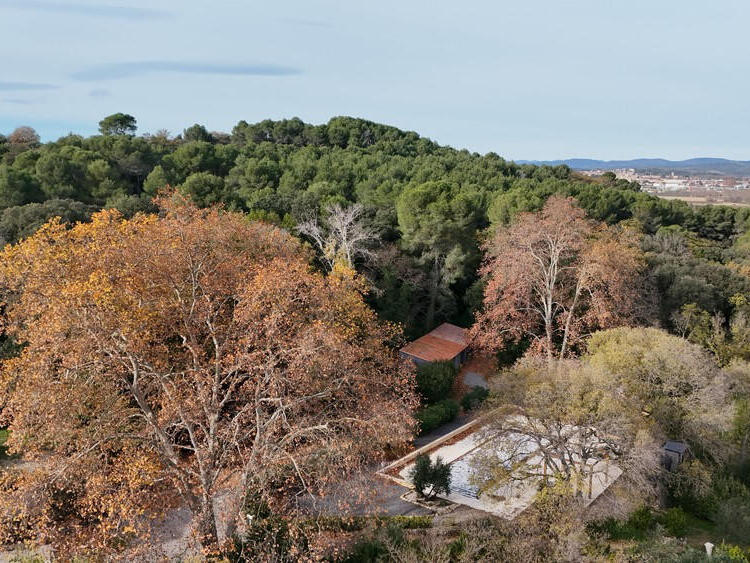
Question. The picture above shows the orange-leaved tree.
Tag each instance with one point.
(182, 359)
(555, 276)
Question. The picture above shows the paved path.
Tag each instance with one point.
(474, 379)
(441, 431)
(364, 494)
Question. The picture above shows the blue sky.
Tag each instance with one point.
(531, 79)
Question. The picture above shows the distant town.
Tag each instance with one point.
(696, 189)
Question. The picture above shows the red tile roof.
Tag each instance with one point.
(444, 343)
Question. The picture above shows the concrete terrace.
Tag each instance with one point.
(457, 448)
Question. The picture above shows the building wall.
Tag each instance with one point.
(414, 359)
(457, 361)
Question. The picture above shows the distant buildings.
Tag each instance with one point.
(672, 182)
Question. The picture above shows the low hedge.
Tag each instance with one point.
(409, 522)
(436, 415)
(474, 398)
(356, 523)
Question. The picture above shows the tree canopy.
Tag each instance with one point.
(118, 124)
(554, 276)
(178, 359)
(430, 205)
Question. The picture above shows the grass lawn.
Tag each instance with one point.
(700, 531)
(641, 526)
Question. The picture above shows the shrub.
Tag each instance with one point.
(641, 519)
(431, 478)
(377, 548)
(435, 381)
(337, 523)
(607, 527)
(671, 550)
(675, 522)
(701, 490)
(268, 536)
(733, 519)
(636, 527)
(436, 415)
(366, 551)
(474, 398)
(409, 522)
(272, 539)
(733, 552)
(3, 438)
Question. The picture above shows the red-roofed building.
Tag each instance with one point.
(447, 343)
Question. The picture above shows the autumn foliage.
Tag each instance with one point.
(555, 276)
(173, 360)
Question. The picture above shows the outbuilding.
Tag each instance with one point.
(447, 343)
(674, 453)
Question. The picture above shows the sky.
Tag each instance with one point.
(528, 79)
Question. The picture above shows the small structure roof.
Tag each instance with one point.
(677, 447)
(444, 343)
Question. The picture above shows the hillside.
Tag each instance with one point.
(427, 203)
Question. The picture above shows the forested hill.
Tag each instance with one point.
(431, 204)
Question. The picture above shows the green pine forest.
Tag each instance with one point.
(431, 205)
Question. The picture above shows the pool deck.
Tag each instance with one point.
(506, 501)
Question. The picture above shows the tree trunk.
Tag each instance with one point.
(207, 533)
(566, 334)
(548, 330)
(434, 286)
(237, 509)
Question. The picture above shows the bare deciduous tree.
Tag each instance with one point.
(343, 236)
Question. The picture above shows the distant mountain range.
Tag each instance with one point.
(708, 166)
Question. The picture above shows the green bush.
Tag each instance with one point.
(715, 485)
(675, 522)
(3, 438)
(474, 398)
(733, 519)
(641, 519)
(436, 415)
(271, 539)
(636, 527)
(337, 523)
(435, 381)
(375, 549)
(268, 537)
